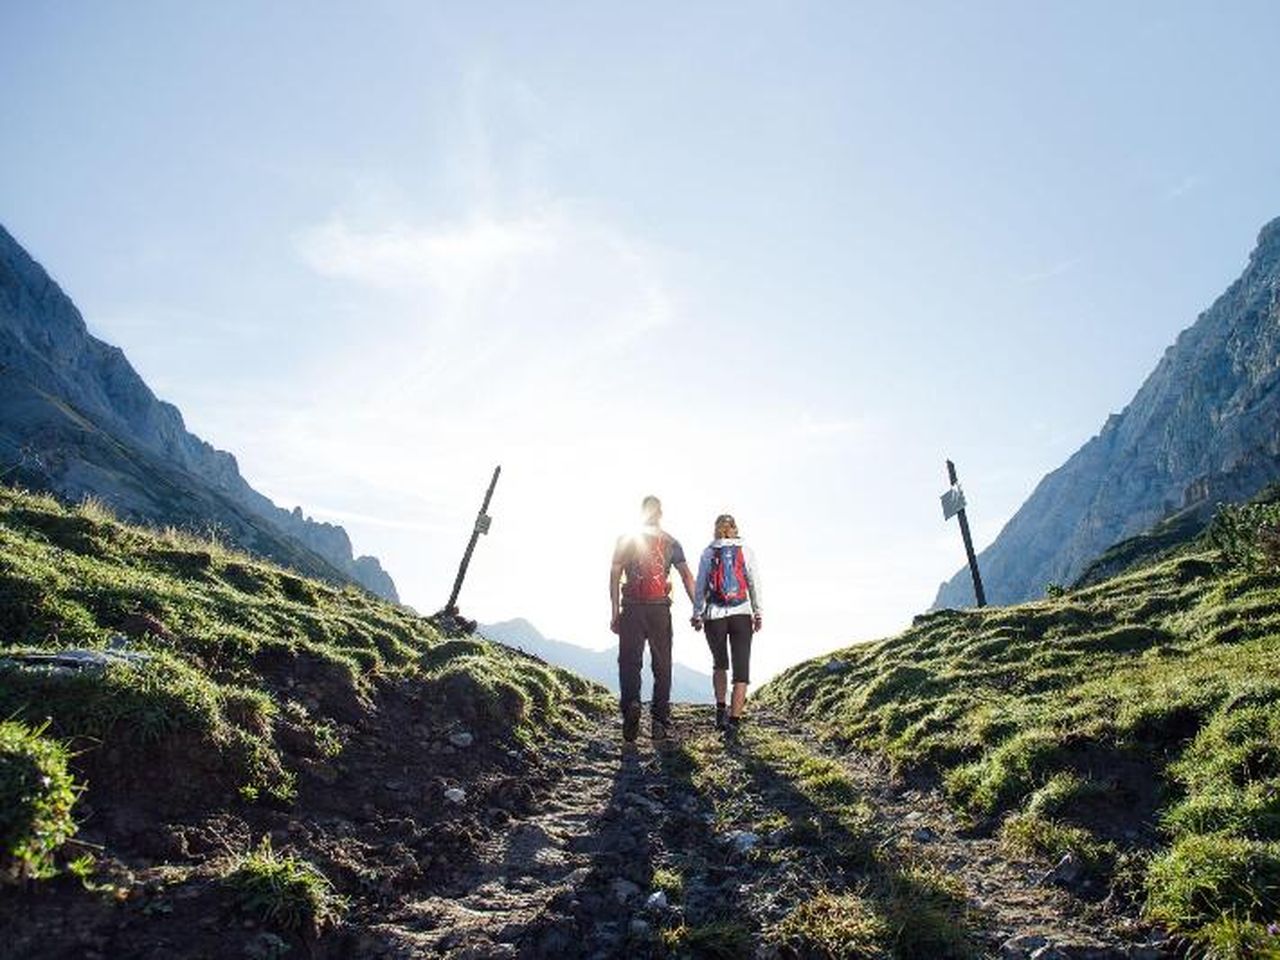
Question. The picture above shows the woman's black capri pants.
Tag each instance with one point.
(731, 632)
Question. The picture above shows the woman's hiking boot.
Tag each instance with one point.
(631, 722)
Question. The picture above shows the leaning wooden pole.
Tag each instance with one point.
(481, 526)
(978, 592)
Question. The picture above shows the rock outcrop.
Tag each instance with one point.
(1203, 429)
(77, 420)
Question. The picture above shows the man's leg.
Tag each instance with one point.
(660, 655)
(630, 659)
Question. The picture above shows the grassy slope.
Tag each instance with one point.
(255, 672)
(1135, 723)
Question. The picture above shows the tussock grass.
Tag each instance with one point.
(1141, 710)
(229, 640)
(284, 891)
(36, 797)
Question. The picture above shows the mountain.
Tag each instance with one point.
(601, 666)
(78, 421)
(1204, 428)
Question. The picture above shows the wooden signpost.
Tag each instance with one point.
(953, 506)
(483, 521)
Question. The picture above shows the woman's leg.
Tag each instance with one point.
(717, 632)
(740, 630)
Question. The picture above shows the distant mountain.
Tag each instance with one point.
(1204, 428)
(77, 420)
(687, 685)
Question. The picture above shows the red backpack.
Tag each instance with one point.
(727, 578)
(647, 571)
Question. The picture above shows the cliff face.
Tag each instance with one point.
(76, 419)
(1203, 428)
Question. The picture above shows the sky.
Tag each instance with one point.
(776, 258)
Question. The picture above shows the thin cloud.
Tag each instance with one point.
(1049, 272)
(1185, 186)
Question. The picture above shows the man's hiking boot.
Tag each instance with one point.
(631, 722)
(658, 729)
(733, 728)
(722, 716)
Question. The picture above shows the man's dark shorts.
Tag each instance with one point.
(734, 632)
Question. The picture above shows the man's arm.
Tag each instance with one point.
(615, 580)
(687, 579)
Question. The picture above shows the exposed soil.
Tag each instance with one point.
(551, 854)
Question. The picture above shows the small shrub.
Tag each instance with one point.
(36, 796)
(1247, 536)
(836, 926)
(284, 891)
(669, 882)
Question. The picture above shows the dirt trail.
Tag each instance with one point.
(576, 877)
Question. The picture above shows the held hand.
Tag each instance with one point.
(695, 622)
(614, 623)
(757, 622)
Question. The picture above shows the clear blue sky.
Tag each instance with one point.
(777, 258)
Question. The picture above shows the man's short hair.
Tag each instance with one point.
(650, 507)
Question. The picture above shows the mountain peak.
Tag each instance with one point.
(79, 421)
(1203, 428)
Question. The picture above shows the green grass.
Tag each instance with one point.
(36, 797)
(670, 882)
(238, 648)
(284, 891)
(718, 940)
(1145, 705)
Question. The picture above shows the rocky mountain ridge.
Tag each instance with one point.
(78, 420)
(1204, 428)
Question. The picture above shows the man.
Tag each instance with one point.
(643, 613)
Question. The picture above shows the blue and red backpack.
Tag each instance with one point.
(727, 578)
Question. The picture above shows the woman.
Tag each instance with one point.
(726, 601)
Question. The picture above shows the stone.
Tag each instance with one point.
(461, 739)
(624, 890)
(639, 929)
(1021, 947)
(1067, 872)
(657, 901)
(923, 835)
(456, 795)
(741, 840)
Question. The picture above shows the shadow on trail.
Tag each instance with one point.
(924, 913)
(593, 918)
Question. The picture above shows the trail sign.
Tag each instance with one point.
(952, 502)
(482, 526)
(953, 506)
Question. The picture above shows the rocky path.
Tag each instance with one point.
(756, 848)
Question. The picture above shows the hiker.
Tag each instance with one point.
(726, 602)
(645, 557)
